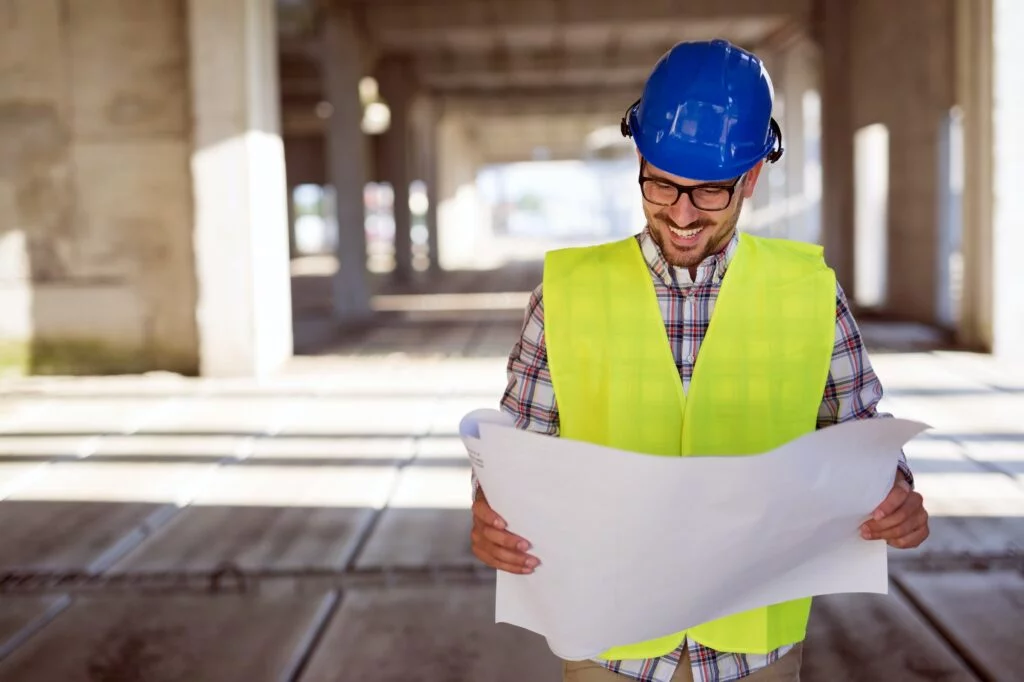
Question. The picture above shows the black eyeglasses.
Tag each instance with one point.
(708, 197)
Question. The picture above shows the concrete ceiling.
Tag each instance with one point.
(518, 137)
(475, 25)
(535, 71)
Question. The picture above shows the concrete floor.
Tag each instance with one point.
(314, 526)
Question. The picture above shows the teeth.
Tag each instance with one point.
(685, 233)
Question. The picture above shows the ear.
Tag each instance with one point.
(750, 182)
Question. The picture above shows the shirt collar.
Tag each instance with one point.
(711, 269)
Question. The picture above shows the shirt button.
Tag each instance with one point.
(689, 359)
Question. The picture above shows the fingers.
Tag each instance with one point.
(483, 513)
(912, 504)
(893, 501)
(495, 546)
(911, 524)
(903, 528)
(505, 539)
(494, 562)
(912, 540)
(502, 550)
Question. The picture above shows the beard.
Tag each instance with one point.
(713, 239)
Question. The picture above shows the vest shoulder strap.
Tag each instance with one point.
(587, 261)
(786, 260)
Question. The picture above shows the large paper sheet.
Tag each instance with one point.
(634, 546)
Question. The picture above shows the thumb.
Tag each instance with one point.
(482, 510)
(893, 501)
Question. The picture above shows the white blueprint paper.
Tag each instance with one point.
(634, 546)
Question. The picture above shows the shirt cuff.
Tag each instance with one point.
(904, 468)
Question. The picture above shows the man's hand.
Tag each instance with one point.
(901, 519)
(494, 545)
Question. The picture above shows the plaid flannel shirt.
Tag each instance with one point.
(852, 391)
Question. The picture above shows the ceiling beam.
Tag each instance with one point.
(544, 67)
(412, 23)
(501, 69)
(537, 102)
(301, 121)
(545, 58)
(299, 115)
(498, 81)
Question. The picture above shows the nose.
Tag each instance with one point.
(683, 212)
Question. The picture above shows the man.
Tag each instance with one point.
(691, 338)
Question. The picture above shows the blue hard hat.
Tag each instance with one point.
(706, 112)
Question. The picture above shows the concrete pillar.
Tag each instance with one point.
(837, 141)
(464, 236)
(993, 307)
(305, 164)
(797, 67)
(293, 247)
(97, 269)
(768, 202)
(426, 117)
(346, 159)
(913, 246)
(912, 42)
(785, 204)
(117, 258)
(950, 232)
(974, 31)
(393, 75)
(432, 178)
(238, 176)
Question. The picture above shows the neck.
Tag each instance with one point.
(720, 250)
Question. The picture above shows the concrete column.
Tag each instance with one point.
(240, 191)
(465, 237)
(346, 148)
(432, 178)
(393, 75)
(993, 307)
(293, 247)
(97, 270)
(426, 116)
(837, 141)
(305, 163)
(974, 32)
(769, 199)
(913, 42)
(796, 67)
(913, 246)
(784, 204)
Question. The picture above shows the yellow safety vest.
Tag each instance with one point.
(757, 383)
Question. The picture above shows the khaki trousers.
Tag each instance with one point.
(786, 669)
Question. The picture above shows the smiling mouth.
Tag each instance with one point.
(686, 234)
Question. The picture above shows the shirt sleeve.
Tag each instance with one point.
(852, 390)
(529, 395)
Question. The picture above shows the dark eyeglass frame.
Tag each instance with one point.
(688, 191)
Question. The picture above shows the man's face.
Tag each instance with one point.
(686, 234)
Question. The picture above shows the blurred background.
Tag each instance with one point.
(258, 257)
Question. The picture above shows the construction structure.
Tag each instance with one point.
(149, 151)
(208, 198)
